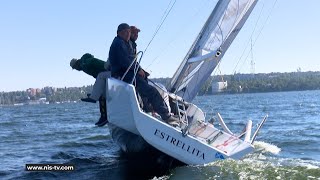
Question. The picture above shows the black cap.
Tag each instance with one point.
(123, 26)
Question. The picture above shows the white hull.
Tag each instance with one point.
(202, 145)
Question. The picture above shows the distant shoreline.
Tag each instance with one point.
(237, 83)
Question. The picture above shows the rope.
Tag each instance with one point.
(137, 64)
(165, 15)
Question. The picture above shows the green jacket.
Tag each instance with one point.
(91, 65)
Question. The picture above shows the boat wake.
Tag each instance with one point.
(254, 166)
(266, 147)
(264, 163)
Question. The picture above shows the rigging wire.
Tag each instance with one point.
(217, 68)
(222, 34)
(177, 35)
(189, 69)
(260, 32)
(164, 17)
(211, 42)
(265, 22)
(250, 39)
(254, 29)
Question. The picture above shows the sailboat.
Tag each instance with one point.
(196, 141)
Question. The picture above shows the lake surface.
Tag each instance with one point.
(288, 146)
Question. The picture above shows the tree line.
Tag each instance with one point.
(51, 95)
(237, 83)
(271, 82)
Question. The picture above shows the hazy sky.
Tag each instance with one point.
(39, 38)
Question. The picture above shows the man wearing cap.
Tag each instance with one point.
(98, 89)
(121, 55)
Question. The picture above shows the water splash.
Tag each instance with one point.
(255, 167)
(267, 147)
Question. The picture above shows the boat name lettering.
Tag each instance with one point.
(178, 143)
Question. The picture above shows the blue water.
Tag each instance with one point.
(288, 146)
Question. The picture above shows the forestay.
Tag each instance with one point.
(219, 31)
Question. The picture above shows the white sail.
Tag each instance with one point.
(219, 31)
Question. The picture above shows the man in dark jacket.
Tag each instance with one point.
(121, 55)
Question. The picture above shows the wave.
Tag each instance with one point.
(80, 144)
(257, 167)
(97, 137)
(267, 147)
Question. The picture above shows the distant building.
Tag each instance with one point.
(54, 89)
(48, 90)
(31, 91)
(219, 86)
(42, 99)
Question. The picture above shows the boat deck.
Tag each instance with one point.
(214, 137)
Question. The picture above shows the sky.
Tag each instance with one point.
(39, 38)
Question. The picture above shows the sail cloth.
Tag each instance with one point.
(222, 26)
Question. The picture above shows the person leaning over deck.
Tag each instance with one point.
(121, 56)
(88, 64)
(96, 68)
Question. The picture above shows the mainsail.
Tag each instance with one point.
(219, 31)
